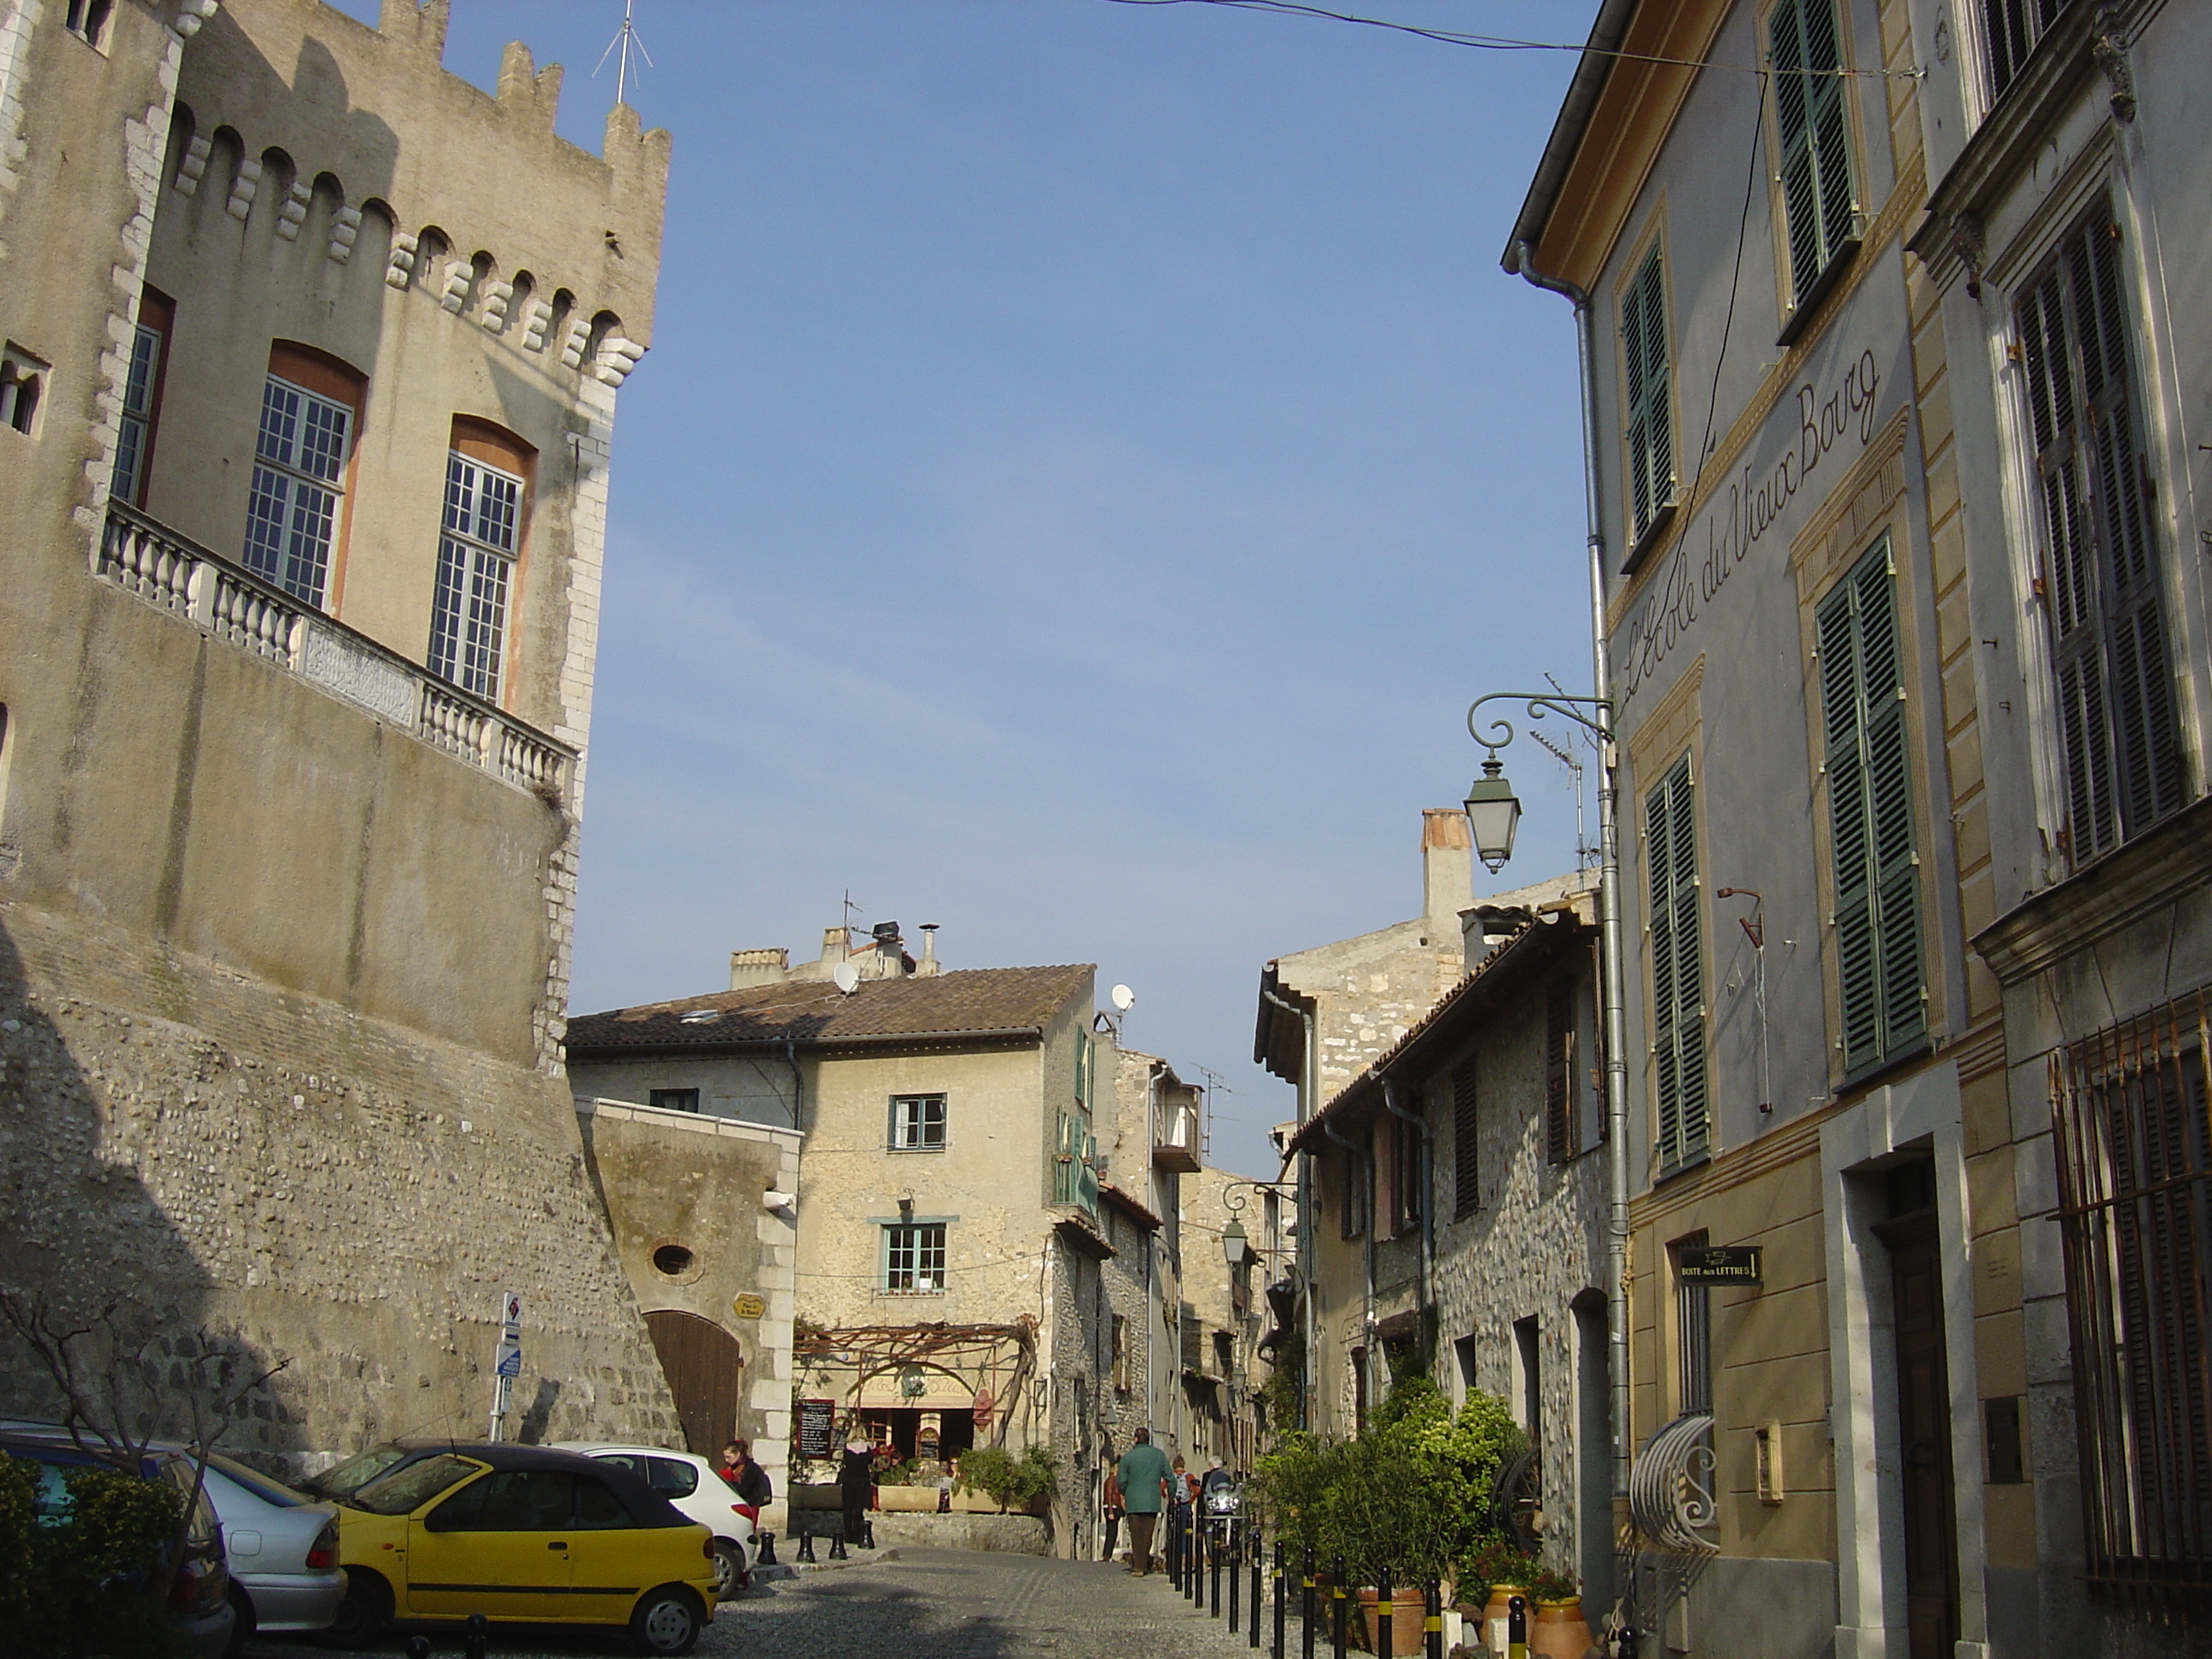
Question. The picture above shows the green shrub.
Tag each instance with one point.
(1014, 1482)
(93, 1565)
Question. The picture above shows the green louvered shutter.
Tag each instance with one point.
(1678, 1032)
(1867, 761)
(1806, 59)
(2117, 724)
(1650, 411)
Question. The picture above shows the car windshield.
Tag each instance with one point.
(358, 1471)
(267, 1491)
(404, 1491)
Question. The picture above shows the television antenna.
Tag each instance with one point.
(625, 37)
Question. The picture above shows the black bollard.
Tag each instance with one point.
(1308, 1613)
(418, 1647)
(1257, 1551)
(1336, 1605)
(1516, 1627)
(1432, 1619)
(477, 1625)
(1385, 1610)
(766, 1541)
(1234, 1543)
(1282, 1600)
(1213, 1569)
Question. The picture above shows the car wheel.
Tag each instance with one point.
(729, 1571)
(668, 1620)
(241, 1620)
(364, 1613)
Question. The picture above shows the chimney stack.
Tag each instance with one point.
(836, 945)
(928, 966)
(1447, 873)
(758, 967)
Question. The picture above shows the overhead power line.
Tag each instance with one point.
(1506, 42)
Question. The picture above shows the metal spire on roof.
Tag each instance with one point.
(625, 37)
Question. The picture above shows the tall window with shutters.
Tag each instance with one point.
(2102, 567)
(1876, 863)
(1678, 974)
(1560, 1097)
(1813, 133)
(1647, 383)
(2010, 29)
(478, 547)
(1466, 1162)
(294, 506)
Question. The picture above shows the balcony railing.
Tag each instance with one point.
(176, 575)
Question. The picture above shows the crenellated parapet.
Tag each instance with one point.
(284, 118)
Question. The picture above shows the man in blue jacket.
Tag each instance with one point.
(1142, 1475)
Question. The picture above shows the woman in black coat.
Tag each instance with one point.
(856, 1480)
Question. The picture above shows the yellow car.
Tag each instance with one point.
(522, 1535)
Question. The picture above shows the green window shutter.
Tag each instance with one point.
(1649, 388)
(1677, 968)
(1467, 1167)
(1805, 58)
(1869, 767)
(2103, 605)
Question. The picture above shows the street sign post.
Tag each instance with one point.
(507, 1358)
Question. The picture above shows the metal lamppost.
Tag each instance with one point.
(1493, 813)
(1235, 1241)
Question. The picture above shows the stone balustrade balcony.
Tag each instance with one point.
(238, 607)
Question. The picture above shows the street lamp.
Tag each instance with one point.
(1233, 1241)
(1493, 812)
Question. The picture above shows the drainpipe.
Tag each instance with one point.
(1309, 1086)
(1612, 969)
(798, 1086)
(1366, 1157)
(1428, 1291)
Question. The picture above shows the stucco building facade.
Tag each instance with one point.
(307, 415)
(947, 1236)
(1891, 493)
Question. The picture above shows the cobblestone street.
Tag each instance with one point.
(915, 1604)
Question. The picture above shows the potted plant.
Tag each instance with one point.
(1020, 1485)
(1558, 1630)
(1492, 1576)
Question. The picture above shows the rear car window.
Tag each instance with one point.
(404, 1491)
(267, 1491)
(671, 1478)
(598, 1507)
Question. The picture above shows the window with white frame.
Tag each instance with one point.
(23, 383)
(2010, 29)
(87, 20)
(914, 1258)
(917, 1123)
(135, 439)
(1806, 60)
(476, 554)
(2102, 602)
(1649, 388)
(292, 512)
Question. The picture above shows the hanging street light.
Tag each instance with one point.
(1233, 1241)
(1493, 812)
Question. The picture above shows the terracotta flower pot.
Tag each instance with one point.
(1558, 1630)
(1408, 1615)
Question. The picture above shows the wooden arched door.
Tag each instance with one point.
(705, 1368)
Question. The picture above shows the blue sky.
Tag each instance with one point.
(1088, 461)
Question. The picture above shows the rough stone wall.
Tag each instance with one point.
(1536, 1243)
(341, 1194)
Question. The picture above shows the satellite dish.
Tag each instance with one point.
(1124, 998)
(846, 977)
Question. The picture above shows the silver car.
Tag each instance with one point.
(283, 1547)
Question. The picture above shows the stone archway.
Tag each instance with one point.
(705, 1368)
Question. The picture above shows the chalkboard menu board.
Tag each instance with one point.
(817, 1428)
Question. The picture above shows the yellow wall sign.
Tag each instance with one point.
(747, 1306)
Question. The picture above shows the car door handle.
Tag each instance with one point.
(558, 1544)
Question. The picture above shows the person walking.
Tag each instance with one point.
(1142, 1475)
(1113, 1505)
